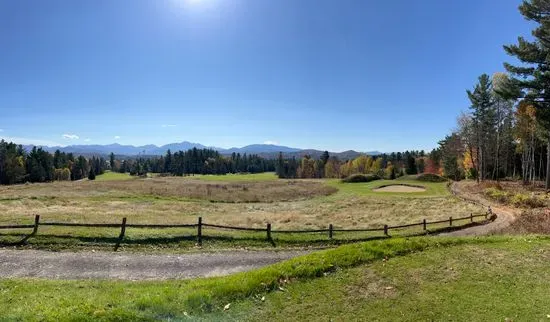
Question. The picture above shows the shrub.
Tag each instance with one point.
(361, 178)
(515, 199)
(525, 200)
(497, 194)
(430, 177)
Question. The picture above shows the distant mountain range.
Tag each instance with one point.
(265, 150)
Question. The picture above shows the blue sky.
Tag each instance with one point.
(337, 75)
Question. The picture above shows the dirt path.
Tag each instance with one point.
(505, 215)
(107, 265)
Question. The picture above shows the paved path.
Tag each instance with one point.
(131, 266)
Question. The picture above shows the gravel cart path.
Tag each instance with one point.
(106, 265)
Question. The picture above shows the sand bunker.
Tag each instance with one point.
(399, 188)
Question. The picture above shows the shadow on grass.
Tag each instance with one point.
(67, 241)
(457, 228)
(15, 237)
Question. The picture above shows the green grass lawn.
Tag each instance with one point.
(114, 176)
(266, 176)
(479, 279)
(433, 189)
(469, 282)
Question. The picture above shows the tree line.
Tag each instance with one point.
(388, 166)
(506, 132)
(38, 165)
(195, 161)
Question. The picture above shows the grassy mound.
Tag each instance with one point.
(531, 221)
(500, 280)
(361, 178)
(114, 176)
(174, 300)
(430, 177)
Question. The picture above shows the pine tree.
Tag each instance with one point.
(324, 157)
(168, 162)
(112, 162)
(91, 174)
(483, 118)
(411, 165)
(533, 76)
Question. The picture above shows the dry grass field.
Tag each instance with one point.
(286, 204)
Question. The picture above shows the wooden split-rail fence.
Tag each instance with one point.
(268, 230)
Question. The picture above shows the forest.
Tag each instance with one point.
(506, 132)
(194, 161)
(38, 165)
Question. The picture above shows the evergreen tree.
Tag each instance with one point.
(280, 169)
(112, 162)
(420, 165)
(411, 165)
(91, 174)
(533, 76)
(483, 118)
(168, 162)
(324, 157)
(57, 160)
(451, 149)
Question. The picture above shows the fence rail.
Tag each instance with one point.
(268, 230)
(70, 224)
(233, 227)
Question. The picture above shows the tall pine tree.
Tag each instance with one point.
(533, 76)
(483, 118)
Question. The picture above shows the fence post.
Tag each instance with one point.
(330, 231)
(268, 231)
(450, 221)
(471, 217)
(424, 223)
(122, 229)
(36, 222)
(386, 230)
(199, 232)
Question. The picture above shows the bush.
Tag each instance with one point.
(525, 200)
(515, 199)
(430, 177)
(497, 194)
(361, 178)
